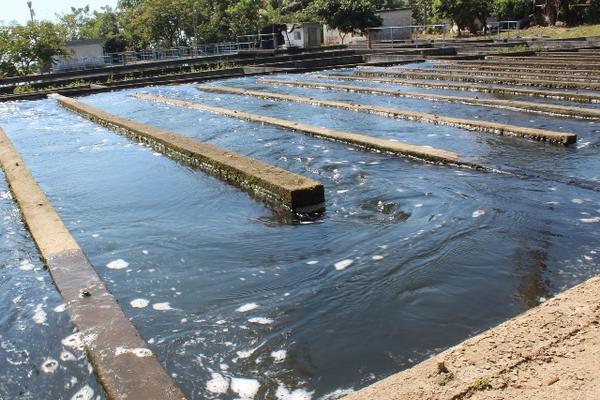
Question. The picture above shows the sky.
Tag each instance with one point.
(17, 10)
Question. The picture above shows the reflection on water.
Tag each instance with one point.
(408, 259)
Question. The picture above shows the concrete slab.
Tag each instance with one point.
(432, 75)
(275, 186)
(510, 90)
(471, 125)
(423, 153)
(550, 352)
(104, 330)
(540, 108)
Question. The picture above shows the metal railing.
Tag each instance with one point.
(149, 55)
(258, 41)
(389, 36)
(503, 26)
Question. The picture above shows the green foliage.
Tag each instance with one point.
(464, 13)
(30, 48)
(346, 16)
(511, 10)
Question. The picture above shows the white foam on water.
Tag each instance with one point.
(5, 196)
(577, 201)
(26, 265)
(279, 355)
(49, 366)
(85, 393)
(247, 307)
(218, 384)
(145, 252)
(342, 265)
(312, 262)
(245, 388)
(67, 356)
(418, 205)
(39, 315)
(342, 191)
(95, 235)
(377, 258)
(590, 220)
(162, 306)
(260, 320)
(78, 340)
(137, 351)
(337, 394)
(139, 303)
(117, 264)
(478, 213)
(284, 393)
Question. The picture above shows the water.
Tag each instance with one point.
(409, 258)
(33, 360)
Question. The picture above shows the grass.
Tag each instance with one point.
(553, 32)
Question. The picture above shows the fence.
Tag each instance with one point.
(503, 26)
(389, 36)
(259, 41)
(134, 57)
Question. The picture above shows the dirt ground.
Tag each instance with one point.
(550, 352)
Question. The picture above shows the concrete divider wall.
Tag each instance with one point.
(541, 108)
(124, 365)
(559, 95)
(471, 125)
(276, 186)
(479, 79)
(424, 153)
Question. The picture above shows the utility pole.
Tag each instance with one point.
(195, 32)
(31, 12)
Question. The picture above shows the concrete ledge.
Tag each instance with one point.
(478, 79)
(559, 95)
(528, 357)
(363, 141)
(487, 66)
(540, 108)
(273, 185)
(539, 65)
(471, 125)
(458, 71)
(103, 326)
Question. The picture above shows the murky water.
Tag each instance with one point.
(34, 361)
(409, 258)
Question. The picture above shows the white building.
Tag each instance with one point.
(83, 54)
(401, 17)
(304, 35)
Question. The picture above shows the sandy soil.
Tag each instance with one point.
(550, 352)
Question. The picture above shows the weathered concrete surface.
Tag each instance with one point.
(545, 65)
(372, 143)
(541, 108)
(560, 95)
(105, 331)
(471, 125)
(274, 185)
(492, 66)
(529, 75)
(550, 352)
(582, 59)
(478, 79)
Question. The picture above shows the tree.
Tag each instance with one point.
(29, 48)
(464, 13)
(511, 10)
(346, 16)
